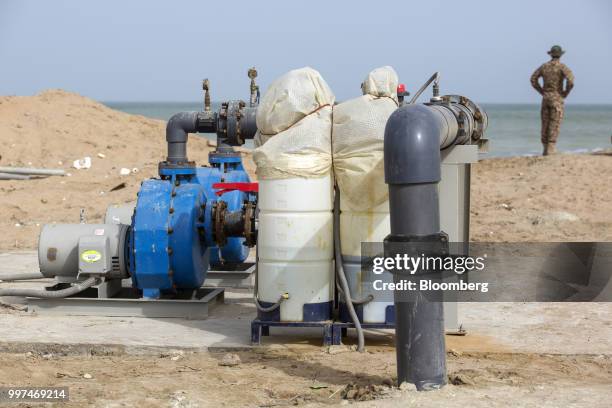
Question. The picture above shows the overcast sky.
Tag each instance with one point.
(119, 50)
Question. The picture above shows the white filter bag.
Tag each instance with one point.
(357, 141)
(294, 127)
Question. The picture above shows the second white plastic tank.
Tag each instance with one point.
(357, 145)
(355, 228)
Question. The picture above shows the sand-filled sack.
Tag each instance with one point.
(294, 121)
(357, 141)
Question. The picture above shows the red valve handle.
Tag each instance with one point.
(228, 187)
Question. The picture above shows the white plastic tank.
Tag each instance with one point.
(357, 144)
(295, 246)
(357, 227)
(295, 238)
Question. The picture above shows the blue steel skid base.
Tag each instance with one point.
(261, 328)
(333, 330)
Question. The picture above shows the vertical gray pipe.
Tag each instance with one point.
(412, 171)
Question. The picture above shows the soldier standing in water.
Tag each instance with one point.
(558, 82)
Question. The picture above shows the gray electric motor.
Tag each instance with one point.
(71, 252)
(120, 214)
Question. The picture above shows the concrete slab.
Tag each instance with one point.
(18, 262)
(555, 328)
(217, 331)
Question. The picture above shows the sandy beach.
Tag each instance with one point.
(557, 198)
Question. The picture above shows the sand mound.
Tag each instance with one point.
(54, 128)
(57, 126)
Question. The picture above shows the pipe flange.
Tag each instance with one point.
(187, 167)
(207, 122)
(250, 225)
(229, 127)
(218, 218)
(416, 246)
(480, 118)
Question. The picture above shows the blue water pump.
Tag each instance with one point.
(192, 217)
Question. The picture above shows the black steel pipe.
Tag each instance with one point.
(412, 171)
(233, 223)
(248, 123)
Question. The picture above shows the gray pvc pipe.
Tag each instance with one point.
(21, 276)
(177, 130)
(11, 176)
(346, 292)
(53, 294)
(31, 171)
(412, 171)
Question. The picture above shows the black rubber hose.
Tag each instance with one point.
(269, 308)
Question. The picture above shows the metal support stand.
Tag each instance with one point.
(259, 328)
(127, 302)
(333, 332)
(240, 276)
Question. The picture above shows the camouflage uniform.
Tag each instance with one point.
(553, 94)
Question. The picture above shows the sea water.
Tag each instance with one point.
(514, 130)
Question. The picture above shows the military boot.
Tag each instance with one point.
(552, 148)
(545, 149)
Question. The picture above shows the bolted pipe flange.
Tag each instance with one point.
(218, 218)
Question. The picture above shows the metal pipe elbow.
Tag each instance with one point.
(412, 146)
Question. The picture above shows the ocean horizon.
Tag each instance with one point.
(514, 129)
